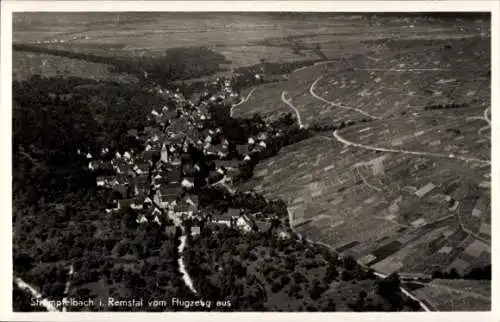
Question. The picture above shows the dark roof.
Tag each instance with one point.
(182, 206)
(234, 212)
(222, 216)
(194, 198)
(243, 149)
(143, 166)
(122, 179)
(170, 189)
(263, 226)
(124, 203)
(233, 172)
(173, 174)
(148, 155)
(143, 179)
(227, 163)
(170, 230)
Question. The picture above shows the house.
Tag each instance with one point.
(167, 195)
(223, 219)
(141, 168)
(137, 204)
(262, 136)
(141, 186)
(193, 201)
(173, 174)
(244, 223)
(151, 154)
(187, 206)
(170, 230)
(125, 203)
(142, 219)
(96, 165)
(227, 164)
(263, 225)
(164, 154)
(102, 181)
(215, 176)
(156, 212)
(229, 218)
(188, 183)
(195, 230)
(243, 149)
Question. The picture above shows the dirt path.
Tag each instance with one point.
(402, 69)
(337, 136)
(244, 100)
(43, 301)
(289, 103)
(182, 267)
(355, 109)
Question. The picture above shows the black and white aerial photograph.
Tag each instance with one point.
(251, 161)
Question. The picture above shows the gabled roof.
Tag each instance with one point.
(227, 163)
(125, 203)
(234, 212)
(170, 230)
(243, 149)
(182, 206)
(169, 190)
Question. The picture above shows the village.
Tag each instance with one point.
(159, 183)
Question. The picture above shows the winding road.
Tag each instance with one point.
(182, 267)
(244, 100)
(337, 136)
(289, 103)
(44, 301)
(349, 108)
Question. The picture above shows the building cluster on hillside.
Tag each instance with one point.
(159, 182)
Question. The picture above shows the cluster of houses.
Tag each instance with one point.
(160, 180)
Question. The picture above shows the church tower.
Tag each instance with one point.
(164, 154)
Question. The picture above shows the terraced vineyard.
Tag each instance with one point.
(457, 295)
(379, 82)
(407, 189)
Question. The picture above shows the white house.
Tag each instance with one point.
(187, 184)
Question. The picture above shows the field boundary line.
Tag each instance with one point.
(311, 91)
(437, 155)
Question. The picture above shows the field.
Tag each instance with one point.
(407, 187)
(457, 295)
(26, 64)
(370, 82)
